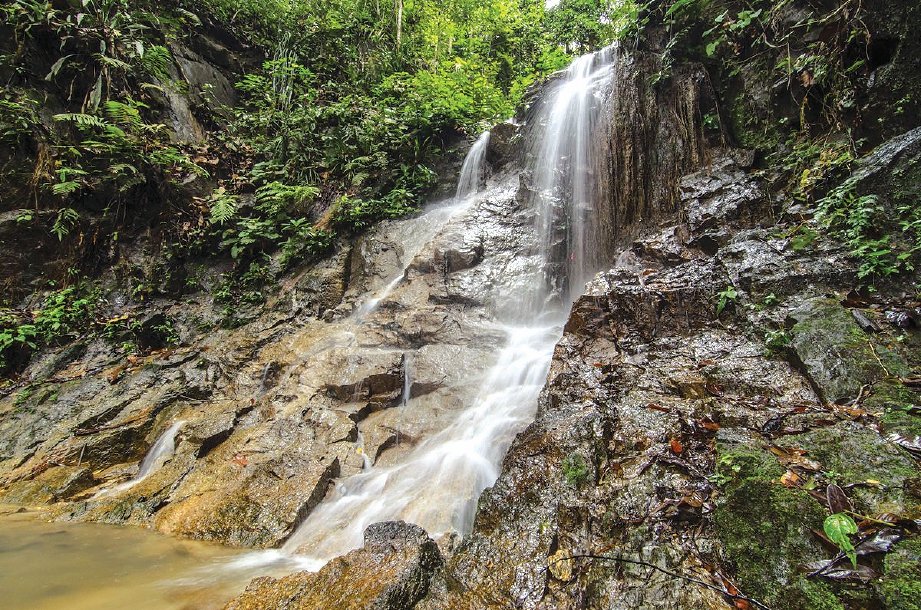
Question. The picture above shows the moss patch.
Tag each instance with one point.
(834, 350)
(851, 454)
(900, 588)
(765, 531)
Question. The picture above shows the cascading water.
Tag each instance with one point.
(469, 185)
(473, 173)
(161, 450)
(564, 165)
(439, 482)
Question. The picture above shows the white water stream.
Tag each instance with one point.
(162, 450)
(564, 162)
(438, 483)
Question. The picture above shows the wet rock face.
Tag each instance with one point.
(833, 349)
(32, 252)
(356, 360)
(391, 572)
(660, 434)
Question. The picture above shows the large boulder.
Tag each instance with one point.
(391, 572)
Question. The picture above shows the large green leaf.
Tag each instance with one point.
(838, 528)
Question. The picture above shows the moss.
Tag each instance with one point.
(750, 130)
(895, 401)
(834, 350)
(765, 531)
(850, 453)
(900, 588)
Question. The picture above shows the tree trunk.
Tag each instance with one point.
(398, 9)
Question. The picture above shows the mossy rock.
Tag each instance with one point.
(850, 453)
(900, 588)
(898, 406)
(833, 350)
(765, 529)
(54, 484)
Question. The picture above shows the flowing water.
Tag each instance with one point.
(437, 485)
(564, 164)
(415, 235)
(473, 171)
(161, 451)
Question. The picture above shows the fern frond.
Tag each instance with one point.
(156, 61)
(223, 206)
(80, 119)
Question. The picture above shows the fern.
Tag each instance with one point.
(112, 62)
(62, 189)
(127, 114)
(65, 221)
(156, 62)
(276, 196)
(223, 206)
(80, 119)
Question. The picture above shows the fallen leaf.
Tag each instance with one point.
(823, 568)
(880, 542)
(732, 591)
(560, 565)
(913, 445)
(709, 425)
(838, 501)
(790, 456)
(790, 479)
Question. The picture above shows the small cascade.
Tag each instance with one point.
(263, 381)
(564, 165)
(371, 305)
(433, 220)
(360, 448)
(406, 396)
(473, 172)
(158, 454)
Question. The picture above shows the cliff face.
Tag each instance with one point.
(673, 441)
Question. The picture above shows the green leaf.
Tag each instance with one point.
(838, 527)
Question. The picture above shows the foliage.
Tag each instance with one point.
(838, 528)
(575, 470)
(861, 220)
(777, 340)
(580, 26)
(726, 297)
(64, 314)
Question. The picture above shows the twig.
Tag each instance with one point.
(638, 562)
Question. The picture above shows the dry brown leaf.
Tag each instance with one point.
(790, 479)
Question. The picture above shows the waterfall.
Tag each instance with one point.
(437, 484)
(473, 172)
(161, 450)
(564, 165)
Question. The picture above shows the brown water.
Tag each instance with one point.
(54, 566)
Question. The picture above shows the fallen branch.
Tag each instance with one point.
(734, 596)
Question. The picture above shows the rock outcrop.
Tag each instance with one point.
(678, 438)
(391, 572)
